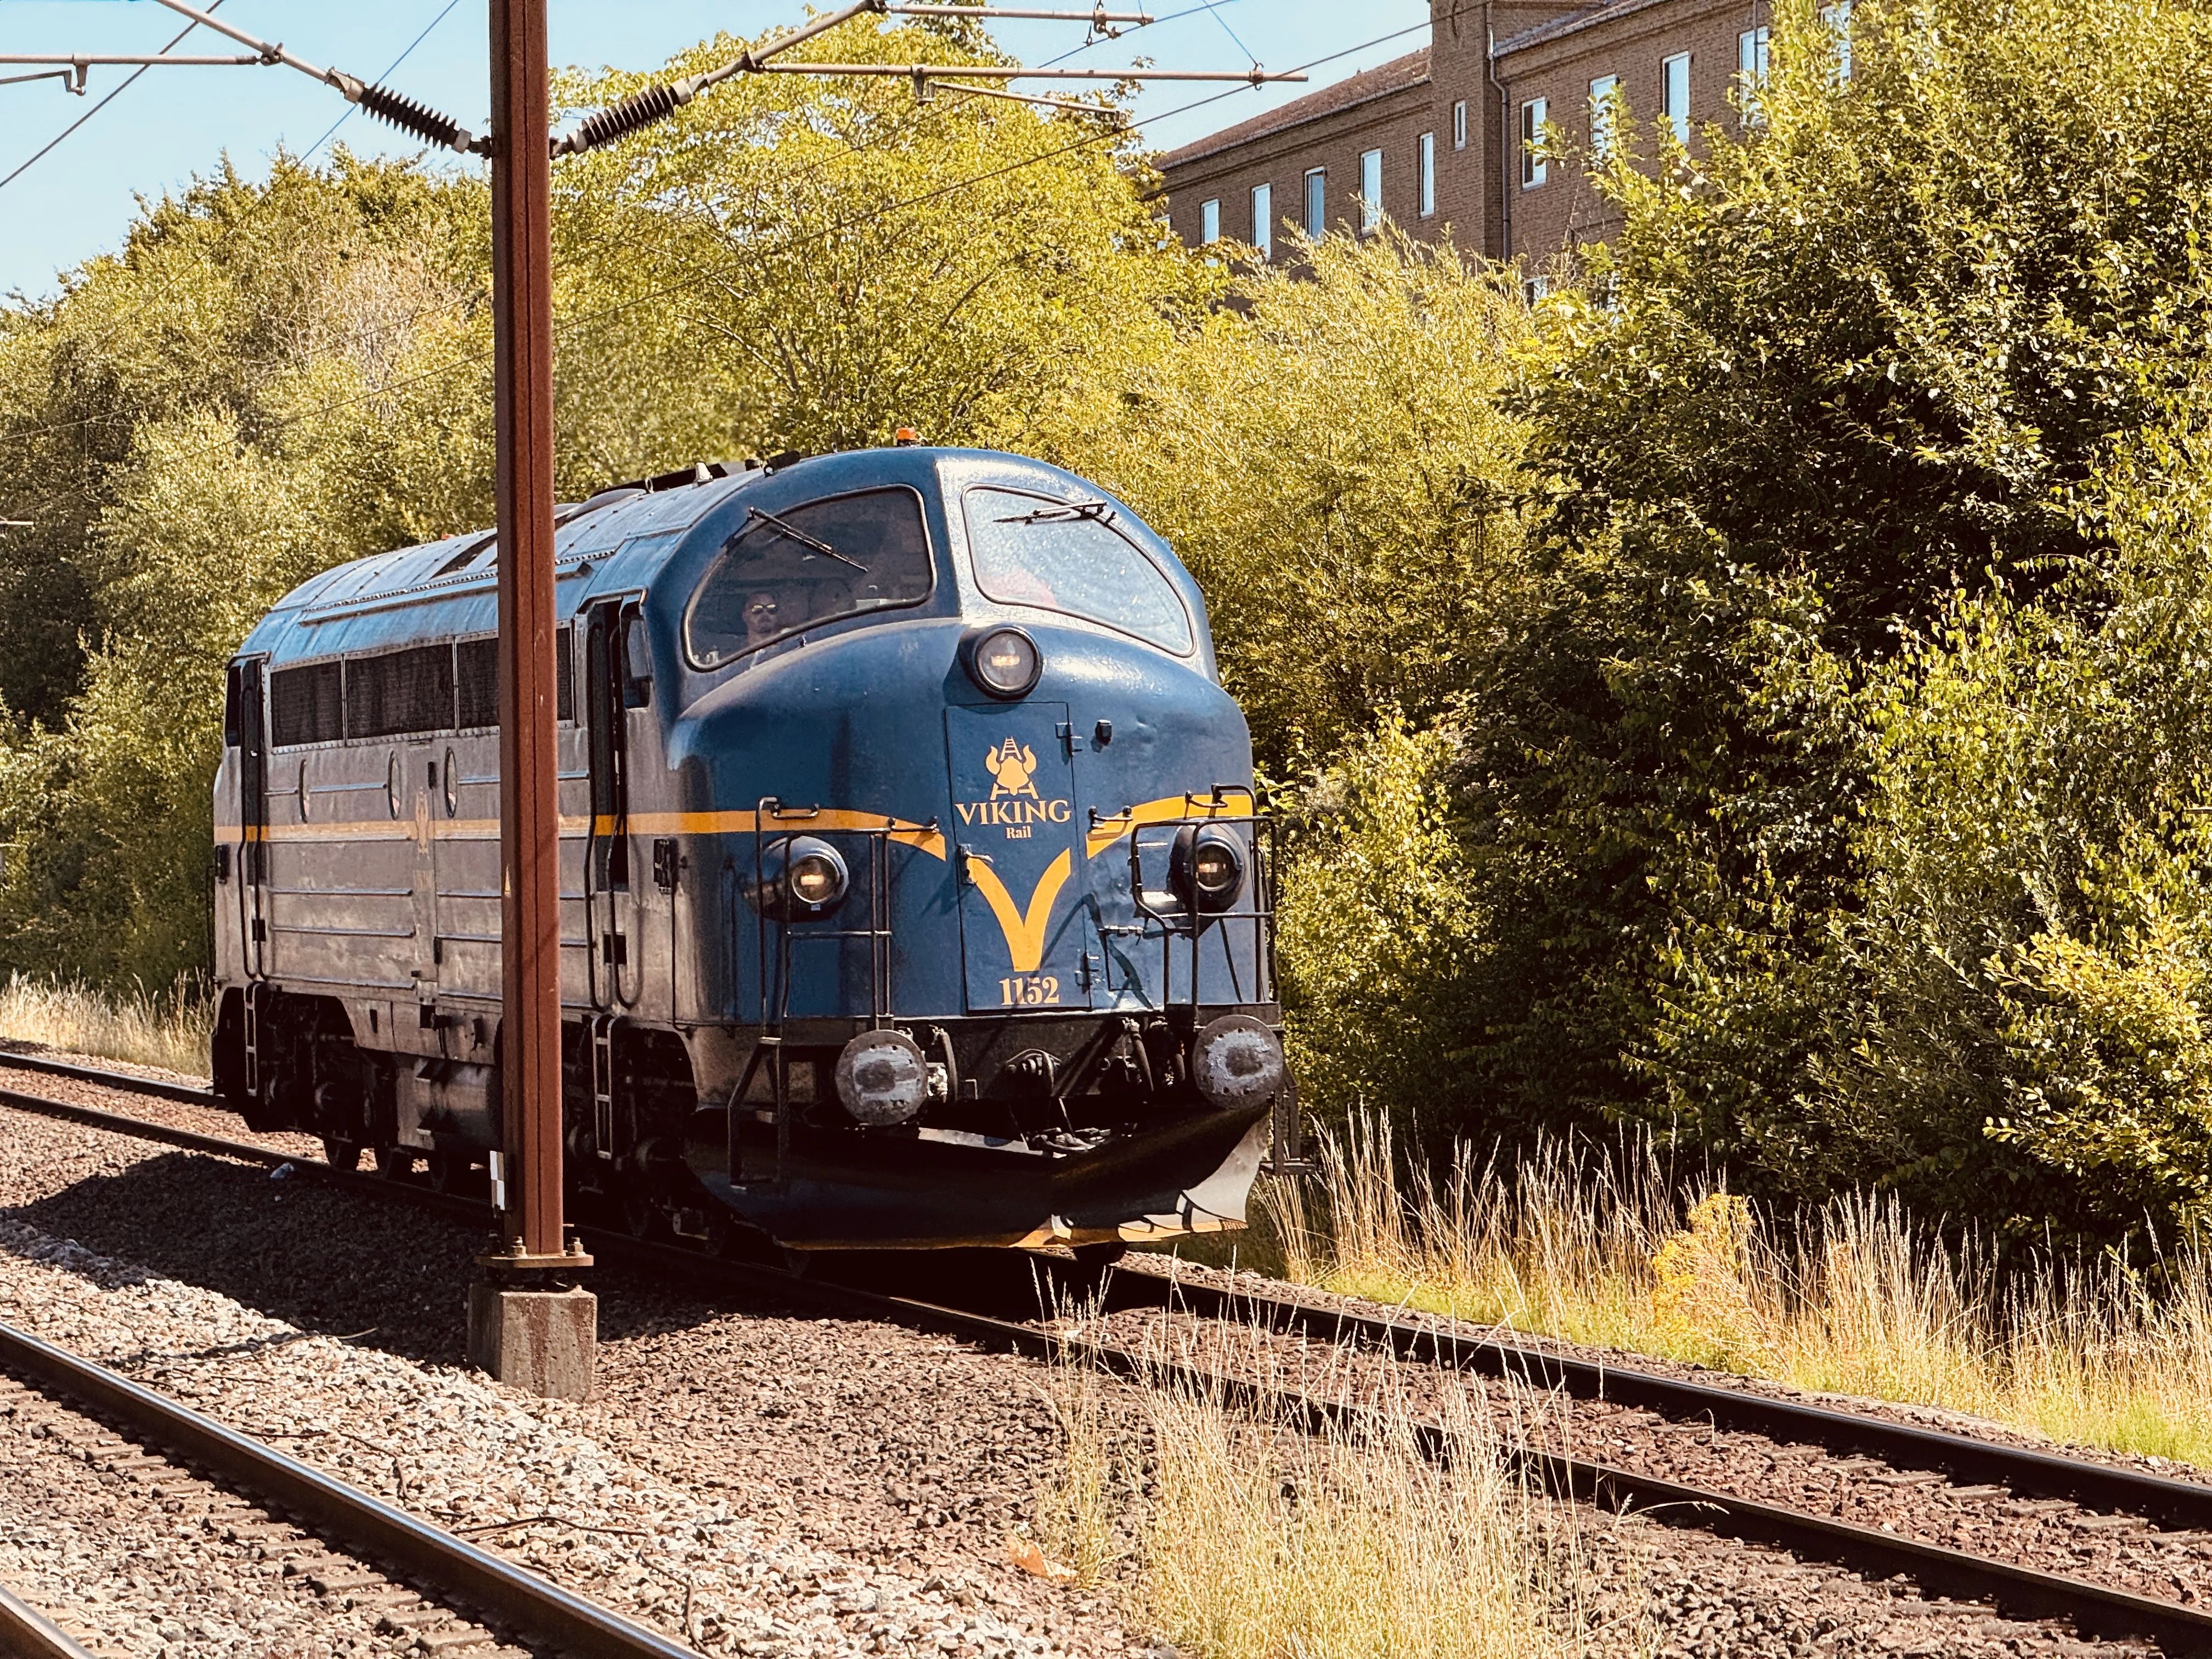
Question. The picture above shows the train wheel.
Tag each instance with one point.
(395, 1162)
(1093, 1262)
(340, 1154)
(718, 1235)
(642, 1216)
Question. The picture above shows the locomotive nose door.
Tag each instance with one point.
(1017, 851)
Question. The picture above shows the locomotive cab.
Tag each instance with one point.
(914, 890)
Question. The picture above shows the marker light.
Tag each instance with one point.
(816, 881)
(1004, 661)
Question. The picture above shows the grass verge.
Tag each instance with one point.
(1862, 1299)
(169, 1029)
(1232, 1536)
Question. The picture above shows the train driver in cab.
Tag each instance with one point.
(763, 616)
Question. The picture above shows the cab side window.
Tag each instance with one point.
(784, 572)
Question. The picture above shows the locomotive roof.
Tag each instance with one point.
(617, 541)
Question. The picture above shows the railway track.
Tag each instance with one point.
(1974, 1470)
(25, 1631)
(408, 1580)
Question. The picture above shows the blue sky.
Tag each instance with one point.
(173, 122)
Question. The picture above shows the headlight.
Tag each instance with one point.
(800, 878)
(1207, 868)
(816, 880)
(1004, 661)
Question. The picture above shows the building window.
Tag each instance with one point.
(1533, 288)
(1370, 192)
(1604, 115)
(1209, 220)
(1263, 220)
(1751, 49)
(1837, 17)
(1428, 175)
(1318, 204)
(1459, 124)
(1674, 78)
(1534, 114)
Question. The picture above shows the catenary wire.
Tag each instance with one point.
(920, 116)
(573, 325)
(96, 420)
(127, 84)
(1215, 10)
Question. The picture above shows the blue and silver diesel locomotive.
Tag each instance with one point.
(912, 890)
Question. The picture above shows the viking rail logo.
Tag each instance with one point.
(1013, 767)
(1014, 805)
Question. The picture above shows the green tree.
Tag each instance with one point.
(258, 386)
(1834, 380)
(796, 263)
(1330, 456)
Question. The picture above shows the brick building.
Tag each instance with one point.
(1442, 139)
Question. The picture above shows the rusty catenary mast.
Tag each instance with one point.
(530, 827)
(522, 1332)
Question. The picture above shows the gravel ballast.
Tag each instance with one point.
(805, 1484)
(694, 1560)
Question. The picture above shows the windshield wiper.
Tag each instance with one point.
(784, 527)
(1094, 511)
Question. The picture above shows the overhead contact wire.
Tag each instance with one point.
(381, 102)
(388, 70)
(575, 323)
(128, 82)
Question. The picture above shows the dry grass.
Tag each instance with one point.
(1860, 1299)
(169, 1029)
(1232, 1536)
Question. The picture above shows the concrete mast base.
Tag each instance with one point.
(544, 1342)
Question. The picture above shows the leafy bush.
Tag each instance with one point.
(1377, 933)
(1853, 627)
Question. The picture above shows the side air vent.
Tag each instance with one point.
(307, 705)
(400, 691)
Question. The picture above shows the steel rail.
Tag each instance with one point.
(28, 1633)
(189, 1094)
(2017, 1591)
(2181, 1504)
(488, 1584)
(2176, 1503)
(2026, 1592)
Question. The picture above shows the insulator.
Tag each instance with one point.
(638, 110)
(409, 116)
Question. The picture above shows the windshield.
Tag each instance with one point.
(784, 572)
(1073, 556)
